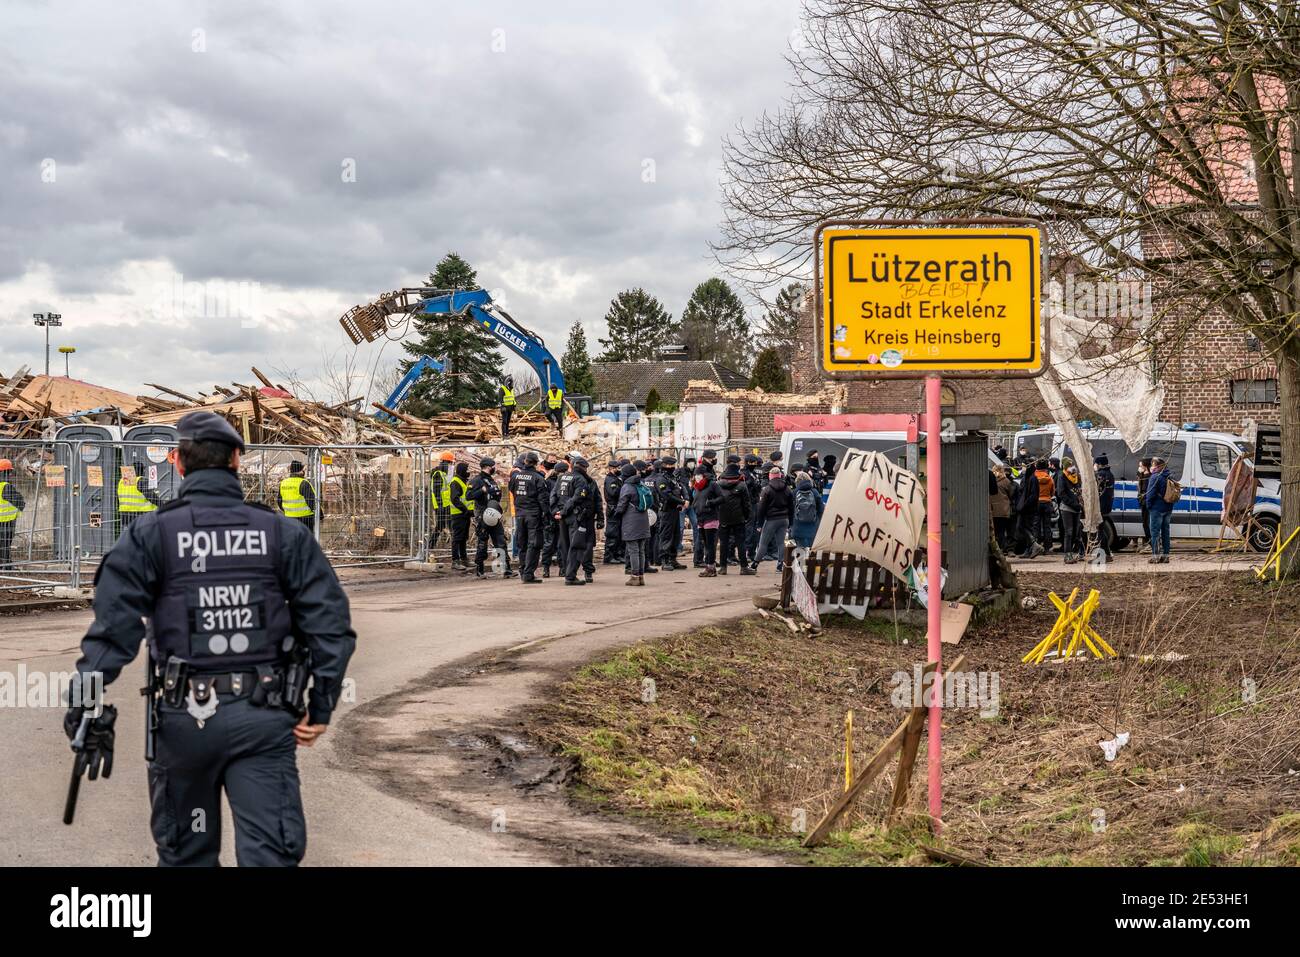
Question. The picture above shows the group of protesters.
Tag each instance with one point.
(1037, 505)
(740, 512)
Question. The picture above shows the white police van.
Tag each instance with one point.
(796, 445)
(1198, 460)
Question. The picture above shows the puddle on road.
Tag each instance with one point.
(516, 761)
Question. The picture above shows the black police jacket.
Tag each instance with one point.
(613, 484)
(531, 493)
(668, 493)
(482, 490)
(584, 503)
(563, 490)
(131, 581)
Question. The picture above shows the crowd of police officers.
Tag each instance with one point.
(642, 506)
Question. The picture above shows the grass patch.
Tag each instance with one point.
(742, 739)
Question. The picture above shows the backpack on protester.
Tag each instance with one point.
(731, 511)
(644, 498)
(805, 506)
(1173, 491)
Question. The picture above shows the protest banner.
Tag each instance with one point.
(876, 509)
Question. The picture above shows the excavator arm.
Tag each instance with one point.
(412, 375)
(372, 321)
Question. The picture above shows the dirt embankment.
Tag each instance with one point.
(734, 731)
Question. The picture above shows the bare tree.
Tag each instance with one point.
(1155, 138)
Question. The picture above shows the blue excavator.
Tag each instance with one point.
(372, 321)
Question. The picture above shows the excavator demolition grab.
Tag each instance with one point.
(372, 321)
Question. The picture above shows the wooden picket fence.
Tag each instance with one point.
(845, 580)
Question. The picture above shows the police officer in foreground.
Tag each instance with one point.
(532, 498)
(561, 492)
(242, 608)
(551, 545)
(582, 512)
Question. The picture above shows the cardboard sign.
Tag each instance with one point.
(953, 620)
(876, 510)
(56, 476)
(907, 301)
(94, 476)
(127, 473)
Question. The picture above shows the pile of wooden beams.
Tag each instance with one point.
(19, 417)
(32, 406)
(468, 426)
(270, 414)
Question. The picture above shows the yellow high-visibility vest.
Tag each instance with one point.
(459, 488)
(130, 498)
(291, 497)
(507, 396)
(8, 510)
(554, 398)
(439, 491)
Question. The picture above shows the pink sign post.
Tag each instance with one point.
(934, 582)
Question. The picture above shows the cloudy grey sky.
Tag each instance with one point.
(151, 143)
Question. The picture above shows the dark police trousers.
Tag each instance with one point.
(552, 547)
(528, 536)
(248, 751)
(669, 535)
(614, 549)
(581, 547)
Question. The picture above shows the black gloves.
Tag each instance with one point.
(95, 749)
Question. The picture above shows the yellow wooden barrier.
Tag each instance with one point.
(1274, 557)
(1074, 623)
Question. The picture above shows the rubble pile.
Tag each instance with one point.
(33, 407)
(267, 413)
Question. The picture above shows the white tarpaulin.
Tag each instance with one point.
(876, 510)
(1117, 385)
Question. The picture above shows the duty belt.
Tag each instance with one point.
(280, 685)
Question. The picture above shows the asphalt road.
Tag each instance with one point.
(406, 629)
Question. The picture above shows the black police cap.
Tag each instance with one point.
(208, 427)
(486, 463)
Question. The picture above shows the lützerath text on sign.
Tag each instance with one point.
(942, 299)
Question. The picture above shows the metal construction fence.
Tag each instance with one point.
(373, 503)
